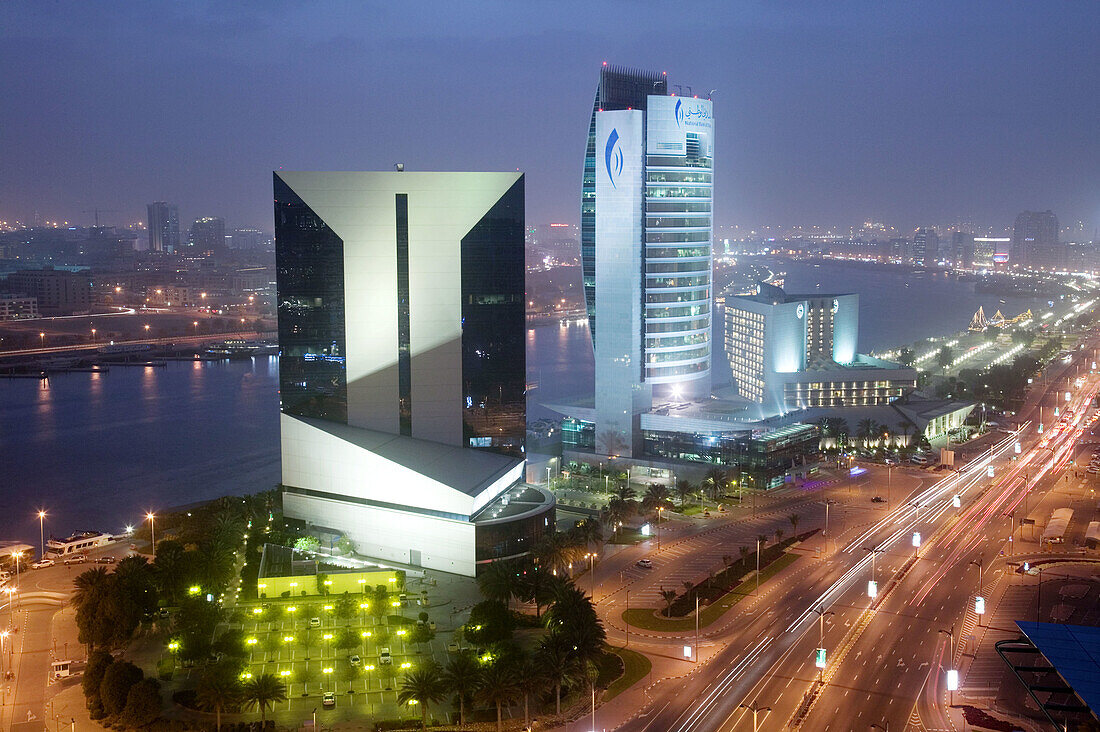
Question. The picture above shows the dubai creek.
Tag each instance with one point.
(98, 450)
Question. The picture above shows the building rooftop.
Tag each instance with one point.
(772, 295)
(1073, 651)
(467, 470)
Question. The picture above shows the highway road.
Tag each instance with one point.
(880, 658)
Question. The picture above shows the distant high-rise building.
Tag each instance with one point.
(926, 246)
(962, 249)
(207, 236)
(989, 250)
(899, 248)
(1035, 242)
(163, 226)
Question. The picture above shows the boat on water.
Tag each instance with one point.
(234, 349)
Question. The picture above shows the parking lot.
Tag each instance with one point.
(363, 659)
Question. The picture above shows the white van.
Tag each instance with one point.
(918, 460)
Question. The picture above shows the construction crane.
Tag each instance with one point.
(96, 212)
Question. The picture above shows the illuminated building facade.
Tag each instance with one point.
(791, 352)
(402, 365)
(646, 231)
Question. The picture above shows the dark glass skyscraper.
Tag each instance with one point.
(309, 272)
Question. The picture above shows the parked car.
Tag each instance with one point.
(76, 559)
(42, 564)
(328, 699)
(355, 660)
(431, 625)
(384, 656)
(452, 647)
(644, 563)
(105, 560)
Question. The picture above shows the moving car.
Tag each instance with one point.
(452, 647)
(42, 564)
(645, 563)
(105, 560)
(76, 559)
(328, 699)
(315, 622)
(878, 499)
(384, 656)
(355, 660)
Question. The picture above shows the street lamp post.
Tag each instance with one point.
(756, 709)
(660, 511)
(951, 661)
(757, 565)
(874, 576)
(152, 531)
(42, 533)
(978, 564)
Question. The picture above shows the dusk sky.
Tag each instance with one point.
(826, 113)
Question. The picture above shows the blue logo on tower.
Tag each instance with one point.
(679, 112)
(613, 157)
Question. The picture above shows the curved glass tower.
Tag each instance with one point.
(646, 212)
(679, 171)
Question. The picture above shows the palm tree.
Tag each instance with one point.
(744, 552)
(591, 531)
(424, 686)
(529, 680)
(945, 357)
(684, 489)
(840, 429)
(865, 428)
(625, 492)
(262, 691)
(656, 497)
(555, 551)
(498, 686)
(716, 478)
(217, 692)
(498, 582)
(88, 585)
(778, 535)
(555, 661)
(616, 512)
(462, 677)
(794, 518)
(669, 596)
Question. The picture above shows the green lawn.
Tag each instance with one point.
(628, 536)
(646, 619)
(635, 668)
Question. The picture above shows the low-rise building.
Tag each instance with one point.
(57, 291)
(18, 307)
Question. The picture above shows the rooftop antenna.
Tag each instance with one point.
(710, 94)
(399, 167)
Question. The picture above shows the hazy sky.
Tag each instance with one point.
(826, 112)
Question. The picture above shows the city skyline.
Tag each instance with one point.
(930, 115)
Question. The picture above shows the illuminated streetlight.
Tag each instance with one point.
(42, 532)
(152, 528)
